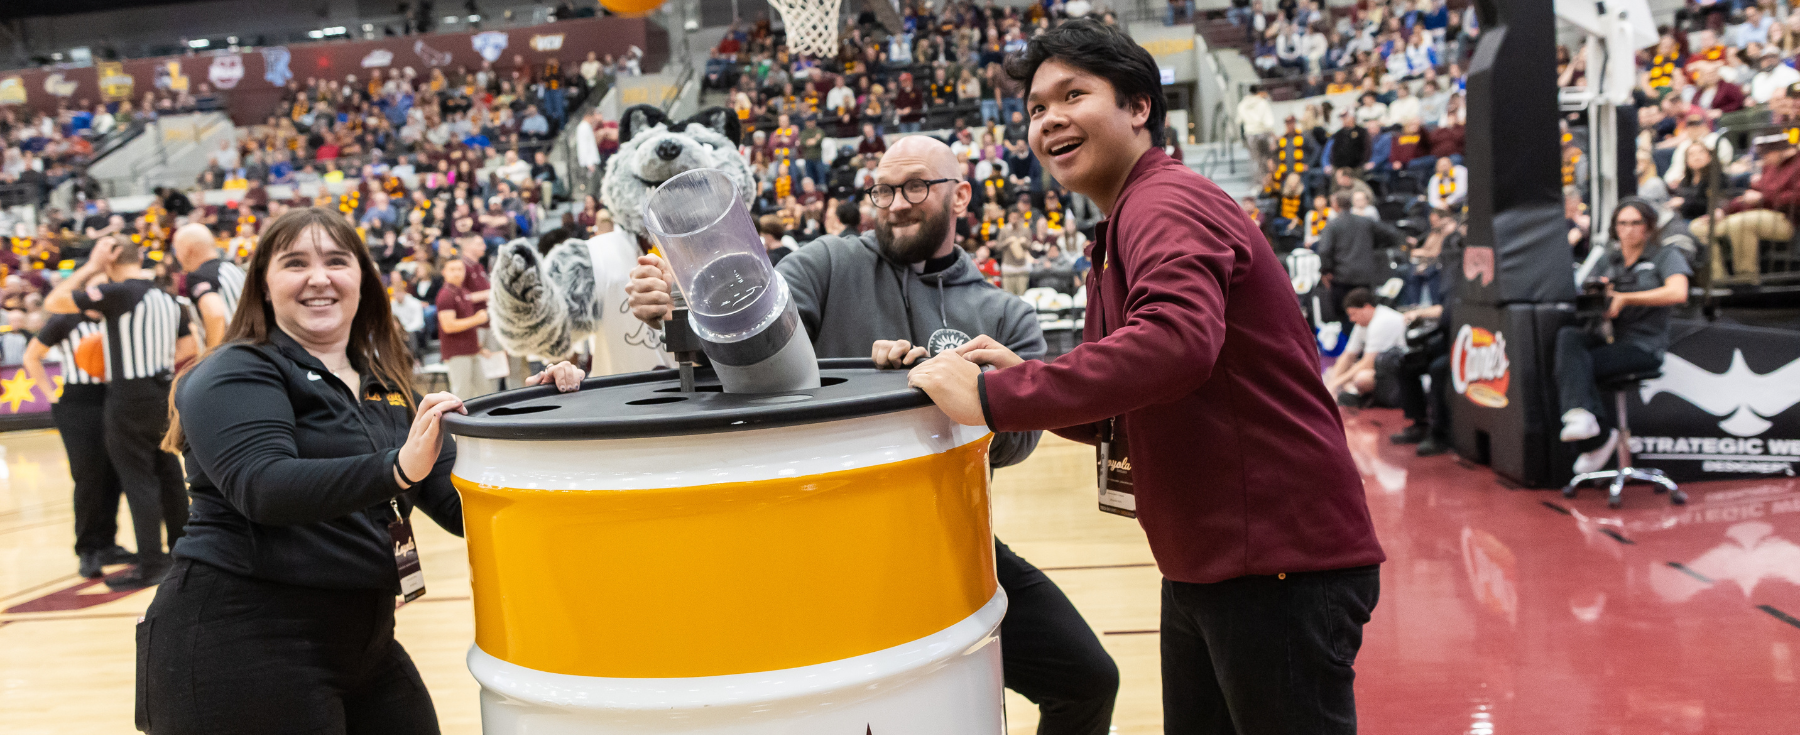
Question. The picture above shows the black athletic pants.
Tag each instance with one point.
(1265, 655)
(80, 417)
(1427, 408)
(137, 415)
(221, 653)
(1581, 360)
(1050, 655)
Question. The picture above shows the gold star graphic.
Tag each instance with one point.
(17, 390)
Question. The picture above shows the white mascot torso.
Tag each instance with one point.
(545, 306)
(623, 344)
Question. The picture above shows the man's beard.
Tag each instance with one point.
(918, 247)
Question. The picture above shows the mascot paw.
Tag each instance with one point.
(528, 316)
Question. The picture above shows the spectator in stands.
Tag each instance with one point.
(1404, 107)
(1694, 132)
(1772, 76)
(1286, 229)
(1410, 143)
(1369, 109)
(1449, 186)
(1349, 146)
(1344, 179)
(1713, 94)
(1257, 116)
(1768, 211)
(1754, 29)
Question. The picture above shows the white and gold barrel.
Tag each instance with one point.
(808, 563)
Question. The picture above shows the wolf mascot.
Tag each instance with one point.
(545, 306)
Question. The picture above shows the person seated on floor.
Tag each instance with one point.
(1368, 372)
(1644, 281)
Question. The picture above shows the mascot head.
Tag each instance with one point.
(653, 149)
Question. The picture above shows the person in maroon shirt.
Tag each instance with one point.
(1200, 381)
(458, 342)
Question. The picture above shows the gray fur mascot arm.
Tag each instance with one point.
(544, 305)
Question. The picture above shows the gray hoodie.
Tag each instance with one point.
(850, 295)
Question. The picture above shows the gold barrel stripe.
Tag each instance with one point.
(730, 578)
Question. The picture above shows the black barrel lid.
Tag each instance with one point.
(651, 404)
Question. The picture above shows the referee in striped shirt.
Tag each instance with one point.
(146, 335)
(213, 283)
(78, 410)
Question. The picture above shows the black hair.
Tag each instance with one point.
(1359, 298)
(849, 215)
(1104, 51)
(1646, 210)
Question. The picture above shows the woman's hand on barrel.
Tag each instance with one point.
(420, 452)
(564, 374)
(649, 290)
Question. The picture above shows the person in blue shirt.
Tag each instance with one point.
(1381, 147)
(534, 126)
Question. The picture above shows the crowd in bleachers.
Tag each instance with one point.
(814, 130)
(1720, 78)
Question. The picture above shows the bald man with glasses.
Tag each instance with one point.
(904, 292)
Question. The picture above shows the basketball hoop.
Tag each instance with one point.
(812, 25)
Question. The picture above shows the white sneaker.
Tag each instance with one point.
(1579, 424)
(1592, 461)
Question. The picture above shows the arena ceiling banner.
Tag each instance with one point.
(251, 81)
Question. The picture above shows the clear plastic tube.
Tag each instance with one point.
(719, 260)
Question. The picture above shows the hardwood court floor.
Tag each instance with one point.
(1502, 611)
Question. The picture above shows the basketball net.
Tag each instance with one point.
(812, 25)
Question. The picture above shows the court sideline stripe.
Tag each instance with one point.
(45, 524)
(36, 587)
(1779, 615)
(1685, 569)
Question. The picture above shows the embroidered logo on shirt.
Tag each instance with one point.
(310, 375)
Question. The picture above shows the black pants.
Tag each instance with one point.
(1334, 304)
(1050, 655)
(1581, 361)
(1427, 408)
(221, 653)
(1265, 655)
(80, 417)
(137, 414)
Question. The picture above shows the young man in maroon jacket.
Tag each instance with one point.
(1199, 382)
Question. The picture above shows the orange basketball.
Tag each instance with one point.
(90, 355)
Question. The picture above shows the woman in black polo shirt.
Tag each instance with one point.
(306, 453)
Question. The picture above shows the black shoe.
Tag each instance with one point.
(140, 576)
(116, 555)
(1411, 435)
(91, 565)
(1351, 400)
(1432, 447)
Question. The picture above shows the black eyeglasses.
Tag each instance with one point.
(882, 195)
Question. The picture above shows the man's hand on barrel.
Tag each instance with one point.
(953, 384)
(985, 350)
(649, 290)
(896, 353)
(564, 374)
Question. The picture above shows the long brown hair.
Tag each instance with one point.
(377, 344)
